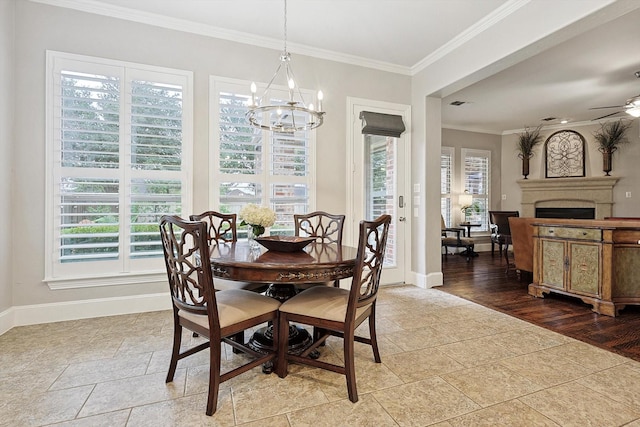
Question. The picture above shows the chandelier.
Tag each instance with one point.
(633, 106)
(289, 116)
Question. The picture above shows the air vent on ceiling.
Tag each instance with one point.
(548, 119)
(457, 103)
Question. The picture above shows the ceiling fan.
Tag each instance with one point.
(631, 106)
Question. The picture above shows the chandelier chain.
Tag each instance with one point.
(285, 27)
(289, 116)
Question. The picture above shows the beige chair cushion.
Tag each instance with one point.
(234, 306)
(453, 241)
(323, 302)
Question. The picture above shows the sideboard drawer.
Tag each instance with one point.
(631, 237)
(571, 233)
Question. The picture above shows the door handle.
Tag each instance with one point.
(402, 219)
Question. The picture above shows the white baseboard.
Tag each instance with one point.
(420, 280)
(434, 279)
(6, 320)
(71, 310)
(426, 281)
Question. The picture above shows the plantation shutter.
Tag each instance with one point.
(240, 144)
(256, 166)
(119, 161)
(156, 161)
(446, 174)
(89, 183)
(477, 181)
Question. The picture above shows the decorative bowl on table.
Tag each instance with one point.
(285, 243)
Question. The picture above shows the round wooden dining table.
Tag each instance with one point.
(282, 271)
(317, 262)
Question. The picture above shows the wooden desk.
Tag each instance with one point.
(318, 262)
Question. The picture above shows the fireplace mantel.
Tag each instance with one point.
(568, 192)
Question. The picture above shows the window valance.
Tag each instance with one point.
(381, 124)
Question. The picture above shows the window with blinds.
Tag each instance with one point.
(118, 149)
(446, 184)
(256, 166)
(477, 182)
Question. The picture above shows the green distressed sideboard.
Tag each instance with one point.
(597, 261)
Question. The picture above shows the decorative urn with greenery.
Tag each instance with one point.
(527, 141)
(610, 135)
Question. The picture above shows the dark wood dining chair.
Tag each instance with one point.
(337, 311)
(219, 316)
(325, 227)
(222, 228)
(499, 225)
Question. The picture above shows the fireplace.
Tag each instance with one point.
(568, 193)
(567, 213)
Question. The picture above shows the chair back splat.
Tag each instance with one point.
(333, 311)
(369, 263)
(325, 227)
(222, 229)
(216, 316)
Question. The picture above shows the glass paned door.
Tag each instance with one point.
(380, 184)
(377, 183)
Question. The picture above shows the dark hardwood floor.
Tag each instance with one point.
(484, 280)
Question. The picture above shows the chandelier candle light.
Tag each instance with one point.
(292, 116)
(257, 218)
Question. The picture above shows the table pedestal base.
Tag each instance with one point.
(262, 341)
(299, 338)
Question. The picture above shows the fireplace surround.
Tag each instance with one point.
(595, 192)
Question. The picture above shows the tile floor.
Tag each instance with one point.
(446, 362)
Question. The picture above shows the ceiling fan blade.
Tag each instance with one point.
(607, 115)
(613, 106)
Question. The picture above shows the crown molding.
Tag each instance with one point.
(119, 12)
(569, 125)
(488, 21)
(470, 129)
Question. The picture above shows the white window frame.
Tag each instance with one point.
(124, 270)
(472, 152)
(265, 179)
(448, 219)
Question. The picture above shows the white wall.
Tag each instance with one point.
(6, 144)
(40, 27)
(625, 166)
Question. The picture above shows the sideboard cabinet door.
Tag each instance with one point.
(552, 271)
(584, 269)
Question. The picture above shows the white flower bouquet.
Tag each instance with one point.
(258, 217)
